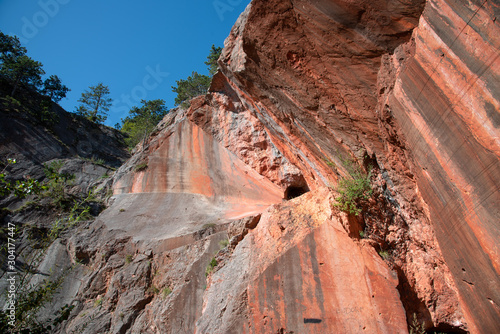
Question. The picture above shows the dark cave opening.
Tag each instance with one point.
(295, 191)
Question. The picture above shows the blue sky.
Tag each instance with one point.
(138, 48)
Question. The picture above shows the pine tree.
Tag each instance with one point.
(197, 84)
(194, 85)
(53, 88)
(141, 121)
(95, 103)
(212, 59)
(16, 66)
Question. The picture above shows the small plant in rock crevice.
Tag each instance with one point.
(98, 302)
(416, 327)
(166, 292)
(141, 167)
(211, 266)
(384, 254)
(223, 243)
(353, 189)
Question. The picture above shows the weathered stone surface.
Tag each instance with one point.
(33, 144)
(300, 272)
(446, 101)
(304, 87)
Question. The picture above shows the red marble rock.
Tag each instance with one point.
(300, 272)
(303, 87)
(186, 160)
(446, 100)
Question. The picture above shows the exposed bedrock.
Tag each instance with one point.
(222, 220)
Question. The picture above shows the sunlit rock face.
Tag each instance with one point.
(409, 89)
(445, 99)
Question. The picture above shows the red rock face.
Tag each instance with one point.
(183, 159)
(446, 100)
(302, 273)
(304, 87)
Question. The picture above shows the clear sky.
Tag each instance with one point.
(137, 48)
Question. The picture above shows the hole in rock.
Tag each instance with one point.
(295, 191)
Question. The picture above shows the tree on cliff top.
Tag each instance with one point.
(53, 88)
(141, 121)
(16, 66)
(20, 70)
(197, 84)
(212, 59)
(194, 85)
(95, 103)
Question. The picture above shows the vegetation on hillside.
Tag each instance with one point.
(142, 120)
(52, 195)
(197, 84)
(22, 71)
(95, 103)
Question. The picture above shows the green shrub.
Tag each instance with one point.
(223, 243)
(384, 255)
(353, 190)
(128, 258)
(166, 291)
(56, 184)
(210, 225)
(211, 266)
(141, 167)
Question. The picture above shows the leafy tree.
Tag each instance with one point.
(212, 59)
(53, 88)
(194, 85)
(141, 121)
(197, 84)
(95, 103)
(10, 47)
(22, 70)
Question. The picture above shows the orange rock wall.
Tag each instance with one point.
(303, 87)
(185, 159)
(446, 99)
(300, 272)
(335, 80)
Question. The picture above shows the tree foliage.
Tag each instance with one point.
(54, 89)
(24, 71)
(95, 103)
(212, 59)
(194, 85)
(10, 47)
(21, 70)
(197, 84)
(142, 120)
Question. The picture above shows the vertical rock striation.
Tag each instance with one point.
(446, 100)
(307, 89)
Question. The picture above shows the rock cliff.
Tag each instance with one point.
(222, 222)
